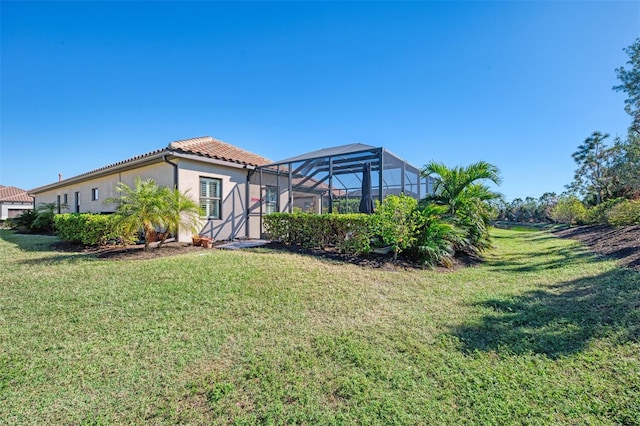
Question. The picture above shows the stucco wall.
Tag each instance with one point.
(162, 173)
(232, 222)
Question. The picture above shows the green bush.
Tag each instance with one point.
(23, 221)
(569, 210)
(436, 240)
(625, 213)
(599, 214)
(351, 233)
(90, 229)
(422, 234)
(395, 220)
(348, 232)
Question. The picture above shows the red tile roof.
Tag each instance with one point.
(204, 146)
(207, 146)
(12, 194)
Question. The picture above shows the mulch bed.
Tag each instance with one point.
(137, 252)
(621, 243)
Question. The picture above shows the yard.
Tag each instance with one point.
(543, 332)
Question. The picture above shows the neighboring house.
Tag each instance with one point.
(13, 202)
(234, 187)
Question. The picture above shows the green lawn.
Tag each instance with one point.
(542, 333)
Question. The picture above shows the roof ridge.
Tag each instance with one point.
(181, 143)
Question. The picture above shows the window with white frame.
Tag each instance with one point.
(211, 197)
(270, 200)
(94, 194)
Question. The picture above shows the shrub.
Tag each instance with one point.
(599, 214)
(350, 233)
(90, 229)
(24, 221)
(625, 213)
(569, 210)
(394, 222)
(436, 240)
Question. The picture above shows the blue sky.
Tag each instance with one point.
(518, 84)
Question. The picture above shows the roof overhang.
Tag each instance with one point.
(144, 160)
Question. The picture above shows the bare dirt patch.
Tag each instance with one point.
(622, 243)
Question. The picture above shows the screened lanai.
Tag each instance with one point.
(330, 180)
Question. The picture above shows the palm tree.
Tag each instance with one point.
(182, 212)
(465, 198)
(142, 207)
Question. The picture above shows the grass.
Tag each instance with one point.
(542, 333)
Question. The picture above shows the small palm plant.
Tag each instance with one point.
(142, 206)
(181, 212)
(465, 198)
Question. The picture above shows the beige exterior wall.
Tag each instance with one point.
(162, 173)
(240, 216)
(232, 223)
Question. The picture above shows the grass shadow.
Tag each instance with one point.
(37, 243)
(561, 320)
(553, 257)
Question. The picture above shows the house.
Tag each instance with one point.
(13, 202)
(235, 187)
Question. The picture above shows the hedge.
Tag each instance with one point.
(89, 229)
(350, 233)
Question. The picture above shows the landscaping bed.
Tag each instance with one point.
(621, 243)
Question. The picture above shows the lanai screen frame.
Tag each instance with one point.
(318, 173)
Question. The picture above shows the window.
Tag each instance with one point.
(94, 194)
(65, 199)
(77, 202)
(210, 197)
(59, 207)
(270, 200)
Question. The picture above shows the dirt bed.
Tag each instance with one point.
(622, 243)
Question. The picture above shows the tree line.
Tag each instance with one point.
(606, 183)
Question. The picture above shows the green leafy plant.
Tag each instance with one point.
(625, 213)
(149, 207)
(24, 221)
(181, 212)
(436, 240)
(569, 210)
(90, 229)
(395, 222)
(465, 199)
(350, 233)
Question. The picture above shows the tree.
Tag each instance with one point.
(546, 203)
(593, 173)
(182, 212)
(149, 207)
(466, 200)
(625, 166)
(568, 210)
(516, 209)
(630, 84)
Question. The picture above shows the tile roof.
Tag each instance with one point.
(13, 194)
(206, 146)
